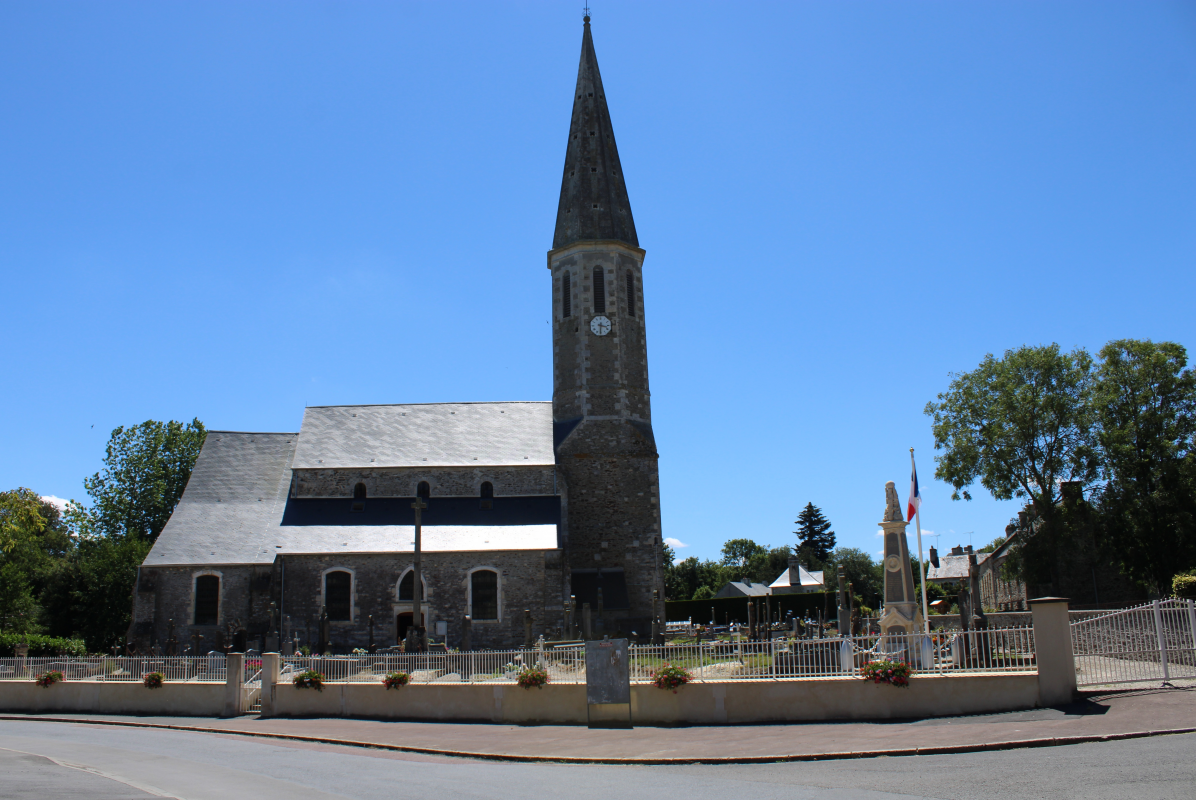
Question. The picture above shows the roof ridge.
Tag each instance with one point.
(448, 403)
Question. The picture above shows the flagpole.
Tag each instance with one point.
(921, 560)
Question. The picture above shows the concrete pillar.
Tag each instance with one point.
(467, 633)
(234, 684)
(1052, 650)
(270, 662)
(587, 631)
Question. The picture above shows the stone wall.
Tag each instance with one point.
(529, 579)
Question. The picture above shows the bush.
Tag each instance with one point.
(309, 679)
(396, 680)
(528, 677)
(1184, 585)
(48, 679)
(668, 676)
(153, 680)
(41, 646)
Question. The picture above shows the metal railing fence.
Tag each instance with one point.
(210, 668)
(1152, 642)
(999, 650)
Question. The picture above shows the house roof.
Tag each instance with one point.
(806, 578)
(740, 588)
(232, 510)
(427, 435)
(952, 568)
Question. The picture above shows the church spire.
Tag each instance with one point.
(594, 202)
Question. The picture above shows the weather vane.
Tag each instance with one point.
(586, 10)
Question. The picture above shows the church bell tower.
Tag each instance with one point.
(605, 449)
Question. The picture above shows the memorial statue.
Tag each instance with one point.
(902, 612)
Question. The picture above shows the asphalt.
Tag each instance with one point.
(1096, 717)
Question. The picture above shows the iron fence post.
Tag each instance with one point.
(1158, 630)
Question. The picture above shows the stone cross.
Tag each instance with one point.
(417, 586)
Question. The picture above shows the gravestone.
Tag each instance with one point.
(608, 683)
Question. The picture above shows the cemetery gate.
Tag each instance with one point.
(1151, 642)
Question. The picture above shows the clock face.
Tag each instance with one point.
(600, 326)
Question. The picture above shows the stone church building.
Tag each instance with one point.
(528, 503)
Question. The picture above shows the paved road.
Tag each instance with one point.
(59, 760)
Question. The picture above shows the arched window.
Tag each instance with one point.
(483, 595)
(423, 490)
(630, 293)
(358, 498)
(487, 494)
(338, 596)
(407, 585)
(599, 291)
(207, 600)
(566, 296)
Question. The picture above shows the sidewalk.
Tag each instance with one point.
(1109, 715)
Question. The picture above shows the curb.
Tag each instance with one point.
(1014, 744)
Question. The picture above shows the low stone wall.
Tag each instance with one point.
(695, 704)
(97, 697)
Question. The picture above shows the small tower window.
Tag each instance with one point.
(487, 494)
(630, 293)
(566, 296)
(358, 497)
(423, 490)
(599, 291)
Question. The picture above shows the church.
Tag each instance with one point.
(528, 504)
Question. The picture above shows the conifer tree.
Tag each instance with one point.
(815, 538)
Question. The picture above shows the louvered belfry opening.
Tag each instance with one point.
(630, 293)
(599, 291)
(567, 295)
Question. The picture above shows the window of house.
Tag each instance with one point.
(630, 293)
(483, 591)
(423, 490)
(599, 291)
(338, 596)
(566, 296)
(207, 599)
(487, 494)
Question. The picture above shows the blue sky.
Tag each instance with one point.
(231, 210)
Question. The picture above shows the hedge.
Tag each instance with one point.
(1184, 585)
(735, 608)
(40, 645)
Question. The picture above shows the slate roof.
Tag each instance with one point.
(593, 202)
(952, 568)
(741, 589)
(427, 435)
(807, 578)
(231, 513)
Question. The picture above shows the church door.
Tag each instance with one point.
(403, 622)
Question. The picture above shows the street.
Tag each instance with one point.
(59, 760)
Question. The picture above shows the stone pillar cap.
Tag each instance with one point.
(1050, 600)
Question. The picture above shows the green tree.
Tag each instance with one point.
(89, 594)
(36, 540)
(738, 552)
(815, 538)
(146, 468)
(860, 569)
(1145, 404)
(703, 593)
(1019, 425)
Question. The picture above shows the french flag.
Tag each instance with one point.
(915, 495)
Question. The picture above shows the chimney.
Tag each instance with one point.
(934, 557)
(957, 550)
(968, 549)
(794, 571)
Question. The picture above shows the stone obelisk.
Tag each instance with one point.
(901, 612)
